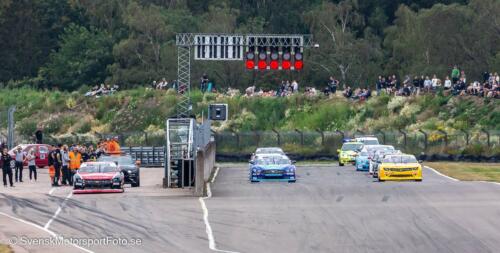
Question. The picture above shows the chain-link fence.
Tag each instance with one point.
(327, 143)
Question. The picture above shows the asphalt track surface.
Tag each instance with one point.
(328, 209)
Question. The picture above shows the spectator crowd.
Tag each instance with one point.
(63, 161)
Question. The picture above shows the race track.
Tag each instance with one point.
(336, 209)
(328, 209)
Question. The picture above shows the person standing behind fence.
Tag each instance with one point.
(65, 166)
(20, 156)
(31, 158)
(6, 169)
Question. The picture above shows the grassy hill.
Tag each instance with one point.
(62, 114)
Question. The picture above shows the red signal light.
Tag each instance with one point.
(262, 65)
(274, 65)
(250, 64)
(286, 64)
(298, 64)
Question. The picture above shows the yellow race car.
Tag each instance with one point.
(348, 152)
(400, 167)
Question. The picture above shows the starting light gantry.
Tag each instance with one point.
(258, 51)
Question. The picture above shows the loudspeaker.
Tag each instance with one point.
(218, 112)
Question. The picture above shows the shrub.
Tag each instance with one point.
(396, 103)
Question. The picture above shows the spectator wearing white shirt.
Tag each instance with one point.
(295, 86)
(447, 83)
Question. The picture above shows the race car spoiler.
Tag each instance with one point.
(89, 191)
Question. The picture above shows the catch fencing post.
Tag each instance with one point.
(11, 125)
(466, 137)
(425, 138)
(487, 136)
(146, 138)
(301, 136)
(322, 136)
(383, 136)
(278, 137)
(404, 136)
(237, 139)
(445, 137)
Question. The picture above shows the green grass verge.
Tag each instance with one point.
(5, 248)
(468, 171)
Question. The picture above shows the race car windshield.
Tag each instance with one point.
(351, 146)
(370, 142)
(119, 159)
(109, 169)
(268, 151)
(273, 161)
(89, 169)
(400, 159)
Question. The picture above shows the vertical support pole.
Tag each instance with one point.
(278, 136)
(184, 81)
(466, 137)
(405, 142)
(445, 137)
(322, 136)
(11, 125)
(487, 136)
(301, 136)
(425, 139)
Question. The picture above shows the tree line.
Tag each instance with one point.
(74, 44)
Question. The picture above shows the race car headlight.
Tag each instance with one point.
(129, 171)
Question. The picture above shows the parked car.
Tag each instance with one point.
(41, 153)
(131, 170)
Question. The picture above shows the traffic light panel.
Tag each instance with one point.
(298, 59)
(274, 58)
(250, 59)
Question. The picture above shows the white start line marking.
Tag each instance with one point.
(211, 239)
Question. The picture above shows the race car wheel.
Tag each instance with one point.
(291, 181)
(137, 183)
(380, 180)
(341, 164)
(418, 180)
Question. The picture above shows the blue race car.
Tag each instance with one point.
(363, 161)
(272, 168)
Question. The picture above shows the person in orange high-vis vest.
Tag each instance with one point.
(75, 160)
(113, 146)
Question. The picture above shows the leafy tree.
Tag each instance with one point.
(341, 52)
(82, 58)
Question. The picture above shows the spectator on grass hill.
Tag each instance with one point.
(455, 74)
(38, 136)
(447, 83)
(203, 83)
(295, 86)
(347, 92)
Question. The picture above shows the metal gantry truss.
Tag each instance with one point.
(184, 81)
(184, 42)
(260, 40)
